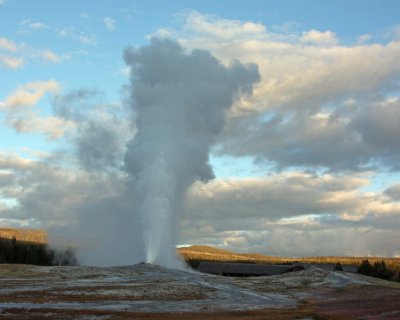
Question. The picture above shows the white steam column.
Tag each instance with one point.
(179, 100)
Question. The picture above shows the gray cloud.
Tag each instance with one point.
(292, 214)
(318, 105)
(79, 208)
(6, 179)
(393, 192)
(102, 129)
(284, 214)
(296, 239)
(349, 138)
(273, 198)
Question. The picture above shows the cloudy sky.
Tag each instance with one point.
(308, 164)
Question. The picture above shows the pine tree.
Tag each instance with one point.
(365, 268)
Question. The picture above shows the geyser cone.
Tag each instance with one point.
(179, 100)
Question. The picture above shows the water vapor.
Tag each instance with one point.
(179, 100)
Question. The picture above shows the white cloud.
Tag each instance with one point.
(319, 37)
(364, 38)
(281, 196)
(11, 62)
(162, 33)
(222, 28)
(33, 25)
(7, 61)
(20, 116)
(50, 56)
(2, 2)
(29, 94)
(31, 122)
(393, 192)
(87, 39)
(82, 37)
(109, 23)
(26, 53)
(7, 44)
(291, 69)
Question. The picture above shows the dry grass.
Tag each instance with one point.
(206, 253)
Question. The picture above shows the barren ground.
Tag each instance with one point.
(151, 292)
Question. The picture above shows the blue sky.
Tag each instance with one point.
(92, 54)
(325, 115)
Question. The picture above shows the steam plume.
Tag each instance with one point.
(179, 100)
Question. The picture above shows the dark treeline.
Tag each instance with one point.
(13, 251)
(379, 270)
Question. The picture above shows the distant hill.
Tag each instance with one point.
(197, 253)
(205, 250)
(208, 253)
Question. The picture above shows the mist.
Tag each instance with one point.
(179, 100)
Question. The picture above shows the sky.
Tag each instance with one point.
(307, 164)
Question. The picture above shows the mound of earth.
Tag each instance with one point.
(147, 291)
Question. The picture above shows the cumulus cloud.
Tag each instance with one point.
(284, 214)
(7, 61)
(221, 28)
(360, 136)
(25, 53)
(32, 122)
(393, 192)
(364, 38)
(7, 44)
(291, 214)
(310, 96)
(298, 75)
(318, 37)
(21, 115)
(298, 241)
(66, 202)
(276, 197)
(29, 94)
(50, 56)
(82, 36)
(33, 25)
(87, 39)
(11, 62)
(109, 23)
(101, 129)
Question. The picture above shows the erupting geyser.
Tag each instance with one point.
(179, 100)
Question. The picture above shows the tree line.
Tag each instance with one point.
(379, 269)
(14, 251)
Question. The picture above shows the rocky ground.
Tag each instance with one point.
(151, 292)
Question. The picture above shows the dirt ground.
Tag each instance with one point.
(152, 292)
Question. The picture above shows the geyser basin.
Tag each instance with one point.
(122, 292)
